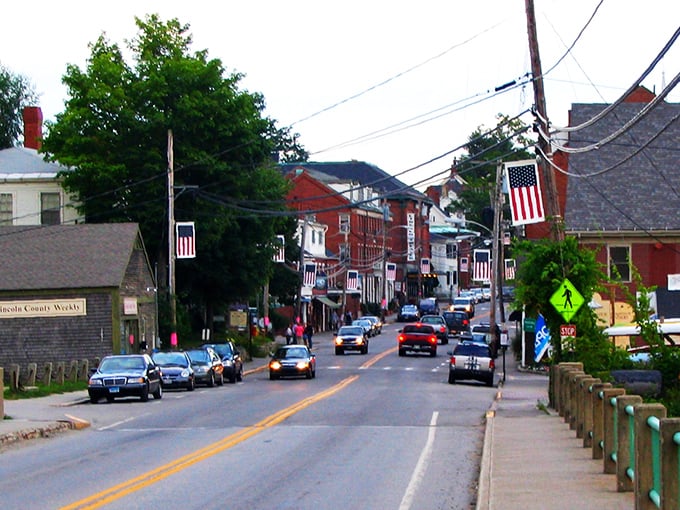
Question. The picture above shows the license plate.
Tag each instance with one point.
(167, 380)
(114, 389)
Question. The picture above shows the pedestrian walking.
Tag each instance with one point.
(309, 332)
(289, 335)
(334, 320)
(299, 331)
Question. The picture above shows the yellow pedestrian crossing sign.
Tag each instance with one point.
(567, 300)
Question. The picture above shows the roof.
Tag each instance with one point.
(20, 163)
(639, 194)
(364, 173)
(66, 256)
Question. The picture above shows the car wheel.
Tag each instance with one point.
(220, 379)
(239, 375)
(308, 375)
(191, 385)
(489, 381)
(433, 353)
(339, 351)
(364, 350)
(94, 400)
(314, 373)
(110, 399)
(211, 380)
(158, 394)
(273, 377)
(144, 397)
(402, 352)
(445, 341)
(452, 378)
(232, 376)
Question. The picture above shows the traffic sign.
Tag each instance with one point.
(529, 325)
(568, 330)
(567, 300)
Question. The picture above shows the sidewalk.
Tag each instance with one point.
(531, 458)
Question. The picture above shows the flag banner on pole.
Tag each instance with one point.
(280, 245)
(185, 240)
(524, 189)
(309, 278)
(482, 265)
(352, 280)
(464, 265)
(391, 271)
(509, 269)
(424, 266)
(542, 341)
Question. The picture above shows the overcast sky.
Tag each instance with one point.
(392, 83)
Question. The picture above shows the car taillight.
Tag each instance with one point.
(400, 338)
(442, 328)
(466, 322)
(452, 360)
(492, 364)
(433, 339)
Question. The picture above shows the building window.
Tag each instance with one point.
(50, 209)
(451, 251)
(619, 263)
(344, 223)
(6, 211)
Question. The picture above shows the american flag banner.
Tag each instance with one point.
(309, 278)
(524, 188)
(391, 271)
(185, 240)
(509, 269)
(280, 245)
(352, 280)
(482, 265)
(464, 265)
(424, 266)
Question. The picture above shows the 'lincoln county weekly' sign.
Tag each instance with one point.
(43, 308)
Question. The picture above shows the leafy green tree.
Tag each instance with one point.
(115, 136)
(478, 166)
(16, 92)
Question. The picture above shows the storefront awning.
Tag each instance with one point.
(328, 302)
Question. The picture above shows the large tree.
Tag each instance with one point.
(16, 92)
(114, 136)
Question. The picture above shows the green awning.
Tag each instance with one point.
(328, 302)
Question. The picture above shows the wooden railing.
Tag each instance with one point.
(634, 440)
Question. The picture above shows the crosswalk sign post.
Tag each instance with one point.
(567, 300)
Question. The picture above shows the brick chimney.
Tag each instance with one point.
(33, 120)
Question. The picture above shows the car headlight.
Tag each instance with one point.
(201, 370)
(227, 362)
(185, 373)
(338, 341)
(275, 365)
(135, 380)
(301, 365)
(95, 382)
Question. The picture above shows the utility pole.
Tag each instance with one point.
(383, 304)
(298, 305)
(553, 209)
(171, 242)
(495, 251)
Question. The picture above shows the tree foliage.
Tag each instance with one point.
(16, 92)
(114, 135)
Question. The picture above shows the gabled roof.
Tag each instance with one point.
(642, 193)
(363, 173)
(20, 163)
(66, 256)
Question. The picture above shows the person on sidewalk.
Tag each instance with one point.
(289, 335)
(299, 331)
(309, 332)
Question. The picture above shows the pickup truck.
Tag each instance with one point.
(417, 337)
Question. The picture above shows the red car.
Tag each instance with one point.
(417, 337)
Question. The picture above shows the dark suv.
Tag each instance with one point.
(458, 322)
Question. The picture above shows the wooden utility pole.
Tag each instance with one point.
(497, 212)
(171, 242)
(552, 205)
(301, 283)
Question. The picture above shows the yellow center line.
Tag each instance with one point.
(118, 491)
(380, 356)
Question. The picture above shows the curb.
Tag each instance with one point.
(44, 431)
(484, 485)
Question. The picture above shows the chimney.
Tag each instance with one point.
(33, 120)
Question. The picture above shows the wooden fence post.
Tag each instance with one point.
(586, 410)
(598, 419)
(625, 458)
(578, 403)
(644, 454)
(610, 434)
(670, 461)
(47, 373)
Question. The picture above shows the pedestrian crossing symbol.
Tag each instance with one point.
(567, 300)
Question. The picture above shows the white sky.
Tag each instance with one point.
(307, 55)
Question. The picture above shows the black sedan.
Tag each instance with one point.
(125, 375)
(351, 338)
(231, 359)
(176, 368)
(207, 365)
(292, 360)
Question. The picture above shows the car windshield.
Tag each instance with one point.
(109, 365)
(432, 320)
(350, 331)
(295, 352)
(418, 329)
(461, 301)
(472, 350)
(170, 359)
(409, 308)
(199, 356)
(222, 349)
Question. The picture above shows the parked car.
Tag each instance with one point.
(207, 365)
(125, 375)
(176, 369)
(408, 313)
(458, 322)
(493, 340)
(377, 323)
(463, 304)
(440, 327)
(428, 306)
(366, 324)
(231, 360)
(292, 360)
(470, 360)
(351, 338)
(417, 337)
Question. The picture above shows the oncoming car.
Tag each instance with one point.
(351, 338)
(125, 375)
(292, 360)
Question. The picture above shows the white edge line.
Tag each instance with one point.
(419, 472)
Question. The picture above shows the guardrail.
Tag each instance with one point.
(634, 440)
